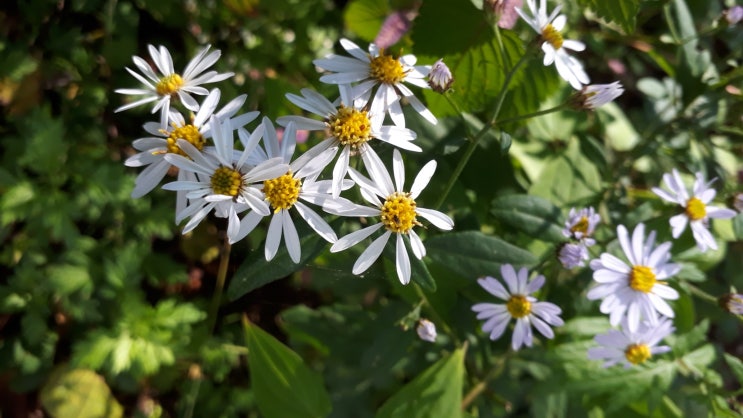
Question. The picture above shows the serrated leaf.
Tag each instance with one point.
(479, 73)
(284, 386)
(622, 12)
(255, 271)
(78, 393)
(365, 17)
(474, 254)
(437, 392)
(531, 214)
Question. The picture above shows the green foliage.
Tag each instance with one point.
(78, 393)
(533, 215)
(621, 12)
(284, 386)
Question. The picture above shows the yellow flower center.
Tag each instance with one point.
(398, 213)
(282, 192)
(580, 226)
(518, 306)
(169, 85)
(351, 127)
(552, 36)
(695, 209)
(226, 181)
(188, 132)
(386, 69)
(642, 279)
(637, 353)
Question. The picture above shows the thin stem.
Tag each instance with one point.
(701, 294)
(476, 139)
(483, 384)
(224, 263)
(435, 316)
(533, 115)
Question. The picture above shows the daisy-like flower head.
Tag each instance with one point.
(381, 70)
(572, 255)
(288, 190)
(224, 184)
(520, 305)
(581, 224)
(168, 84)
(196, 132)
(397, 209)
(636, 289)
(594, 96)
(697, 211)
(554, 45)
(631, 348)
(349, 127)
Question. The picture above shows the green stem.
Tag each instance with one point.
(701, 294)
(483, 384)
(533, 115)
(476, 139)
(224, 263)
(435, 316)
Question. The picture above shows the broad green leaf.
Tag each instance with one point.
(78, 393)
(474, 254)
(255, 271)
(284, 386)
(736, 366)
(622, 12)
(620, 133)
(569, 178)
(479, 73)
(365, 17)
(685, 313)
(442, 30)
(67, 278)
(531, 214)
(437, 392)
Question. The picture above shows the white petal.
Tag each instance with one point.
(402, 261)
(370, 254)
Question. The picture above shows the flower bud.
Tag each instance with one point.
(426, 330)
(504, 11)
(572, 255)
(440, 78)
(732, 302)
(594, 96)
(734, 15)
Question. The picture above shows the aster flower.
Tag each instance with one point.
(504, 11)
(520, 305)
(168, 84)
(636, 289)
(397, 209)
(426, 330)
(594, 96)
(581, 224)
(349, 127)
(572, 255)
(224, 184)
(379, 70)
(554, 45)
(154, 148)
(285, 191)
(631, 348)
(697, 211)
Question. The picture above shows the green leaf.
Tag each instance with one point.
(67, 278)
(255, 271)
(418, 271)
(569, 178)
(474, 254)
(365, 17)
(284, 386)
(479, 73)
(78, 393)
(736, 366)
(622, 12)
(531, 214)
(437, 392)
(443, 30)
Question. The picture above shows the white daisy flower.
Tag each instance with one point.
(635, 289)
(196, 131)
(581, 224)
(594, 96)
(168, 84)
(396, 208)
(348, 129)
(225, 185)
(572, 255)
(284, 192)
(378, 69)
(520, 305)
(697, 211)
(631, 348)
(554, 45)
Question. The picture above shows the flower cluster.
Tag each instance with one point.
(244, 175)
(579, 228)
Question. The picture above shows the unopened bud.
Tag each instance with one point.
(504, 11)
(734, 14)
(732, 302)
(594, 96)
(440, 78)
(426, 330)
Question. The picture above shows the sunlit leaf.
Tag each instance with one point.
(78, 393)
